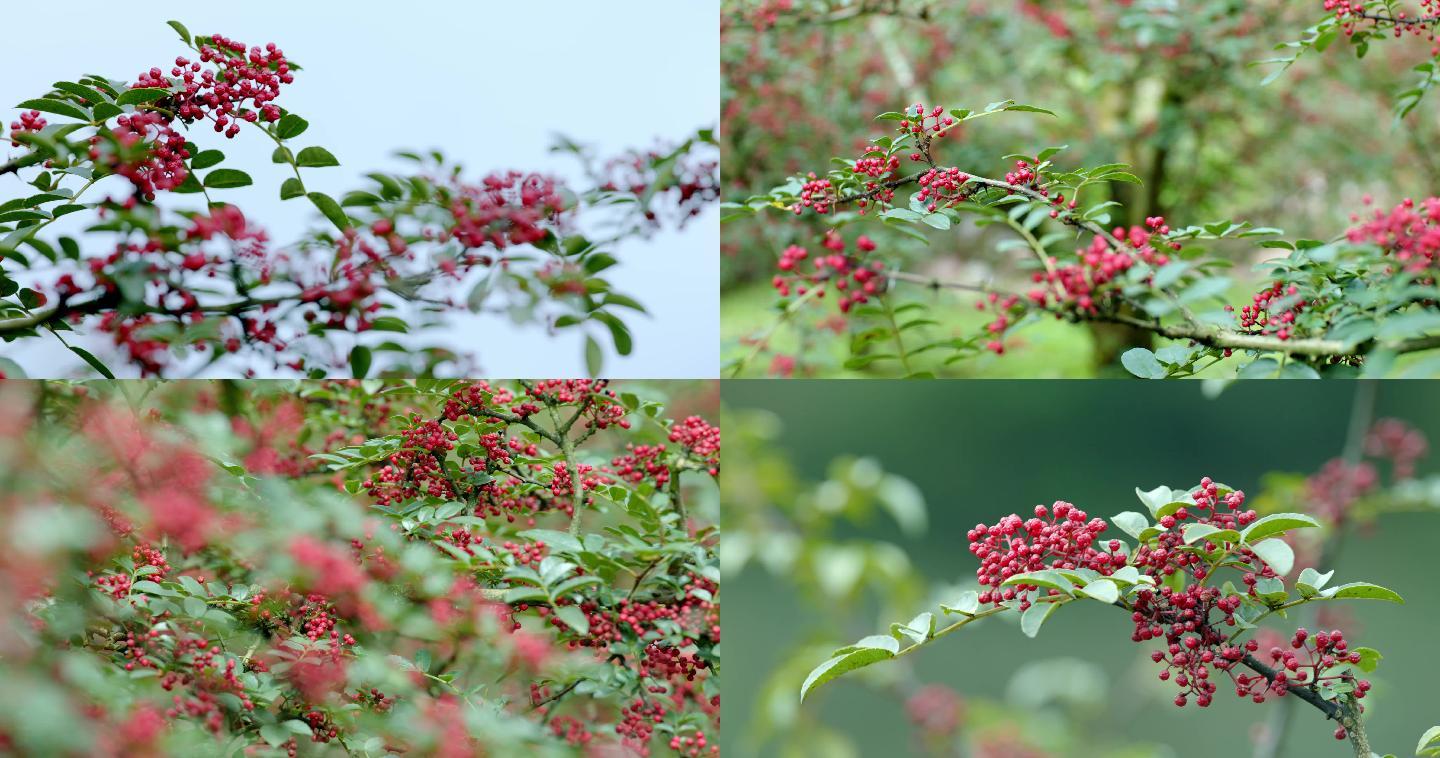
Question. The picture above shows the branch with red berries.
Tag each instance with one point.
(1347, 305)
(1198, 576)
(177, 291)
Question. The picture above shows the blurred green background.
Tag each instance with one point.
(980, 450)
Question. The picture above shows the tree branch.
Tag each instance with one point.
(1205, 335)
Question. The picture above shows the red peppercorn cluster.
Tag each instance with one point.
(765, 13)
(692, 183)
(562, 484)
(1061, 536)
(816, 194)
(856, 280)
(1353, 13)
(115, 585)
(241, 86)
(1094, 277)
(600, 406)
(641, 463)
(186, 662)
(1195, 643)
(504, 209)
(30, 121)
(878, 169)
(572, 730)
(1273, 311)
(526, 553)
(925, 125)
(1409, 234)
(1398, 441)
(699, 439)
(1006, 308)
(145, 150)
(943, 188)
(1309, 661)
(1337, 485)
(936, 710)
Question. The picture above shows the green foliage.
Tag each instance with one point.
(258, 517)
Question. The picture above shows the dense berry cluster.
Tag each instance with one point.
(700, 439)
(856, 280)
(1410, 234)
(241, 86)
(504, 209)
(936, 710)
(1273, 311)
(1196, 621)
(1087, 283)
(30, 121)
(1061, 536)
(816, 194)
(143, 148)
(942, 187)
(1398, 441)
(1353, 13)
(1315, 659)
(687, 185)
(1337, 485)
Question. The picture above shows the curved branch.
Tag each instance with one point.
(107, 300)
(1206, 335)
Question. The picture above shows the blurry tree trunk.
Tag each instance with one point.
(1164, 106)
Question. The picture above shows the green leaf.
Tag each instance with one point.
(180, 30)
(1408, 325)
(1043, 578)
(967, 604)
(194, 606)
(1276, 523)
(863, 653)
(618, 331)
(141, 95)
(331, 209)
(573, 618)
(92, 360)
(315, 157)
(554, 539)
(275, 734)
(1169, 274)
(937, 220)
(106, 111)
(1029, 109)
(1270, 590)
(359, 361)
(1156, 499)
(206, 159)
(1277, 555)
(291, 125)
(1429, 742)
(227, 178)
(624, 301)
(57, 107)
(1369, 658)
(1363, 591)
(1142, 363)
(1034, 617)
(1196, 532)
(291, 188)
(594, 357)
(1130, 523)
(918, 630)
(1103, 590)
(1310, 581)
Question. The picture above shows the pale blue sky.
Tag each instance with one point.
(488, 82)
